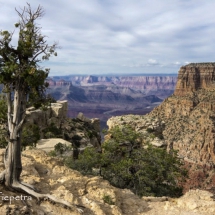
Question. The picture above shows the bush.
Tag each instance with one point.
(52, 131)
(3, 120)
(107, 199)
(3, 108)
(60, 147)
(150, 130)
(87, 162)
(146, 171)
(52, 153)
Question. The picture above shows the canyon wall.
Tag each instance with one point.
(195, 76)
(189, 114)
(142, 83)
(106, 96)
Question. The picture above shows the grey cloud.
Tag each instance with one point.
(101, 36)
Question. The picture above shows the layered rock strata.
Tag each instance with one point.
(195, 76)
(189, 114)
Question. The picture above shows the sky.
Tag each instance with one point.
(98, 37)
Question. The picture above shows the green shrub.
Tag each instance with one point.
(3, 109)
(152, 136)
(52, 131)
(52, 153)
(3, 120)
(86, 163)
(146, 171)
(107, 199)
(76, 140)
(60, 147)
(150, 130)
(3, 142)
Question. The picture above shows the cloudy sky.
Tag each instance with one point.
(122, 36)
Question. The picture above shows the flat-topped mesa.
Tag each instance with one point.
(195, 76)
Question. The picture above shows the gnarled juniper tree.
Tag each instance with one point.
(23, 79)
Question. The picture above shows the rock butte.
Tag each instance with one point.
(195, 76)
(189, 114)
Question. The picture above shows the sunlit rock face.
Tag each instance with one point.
(189, 114)
(195, 76)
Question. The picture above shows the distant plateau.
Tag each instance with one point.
(106, 96)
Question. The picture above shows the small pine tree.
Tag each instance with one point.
(125, 164)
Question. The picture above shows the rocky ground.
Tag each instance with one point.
(94, 195)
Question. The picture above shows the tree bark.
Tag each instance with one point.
(12, 157)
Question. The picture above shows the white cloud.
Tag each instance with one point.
(100, 36)
(153, 62)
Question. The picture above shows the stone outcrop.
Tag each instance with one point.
(94, 195)
(48, 145)
(55, 113)
(80, 131)
(150, 128)
(195, 76)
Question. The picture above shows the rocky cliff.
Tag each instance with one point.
(189, 114)
(195, 76)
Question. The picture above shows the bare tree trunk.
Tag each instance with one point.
(13, 163)
(12, 157)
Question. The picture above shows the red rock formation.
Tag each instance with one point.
(195, 76)
(142, 83)
(59, 83)
(147, 83)
(189, 114)
(63, 83)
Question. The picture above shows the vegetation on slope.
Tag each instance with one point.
(125, 164)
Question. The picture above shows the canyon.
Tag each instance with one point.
(106, 96)
(185, 121)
